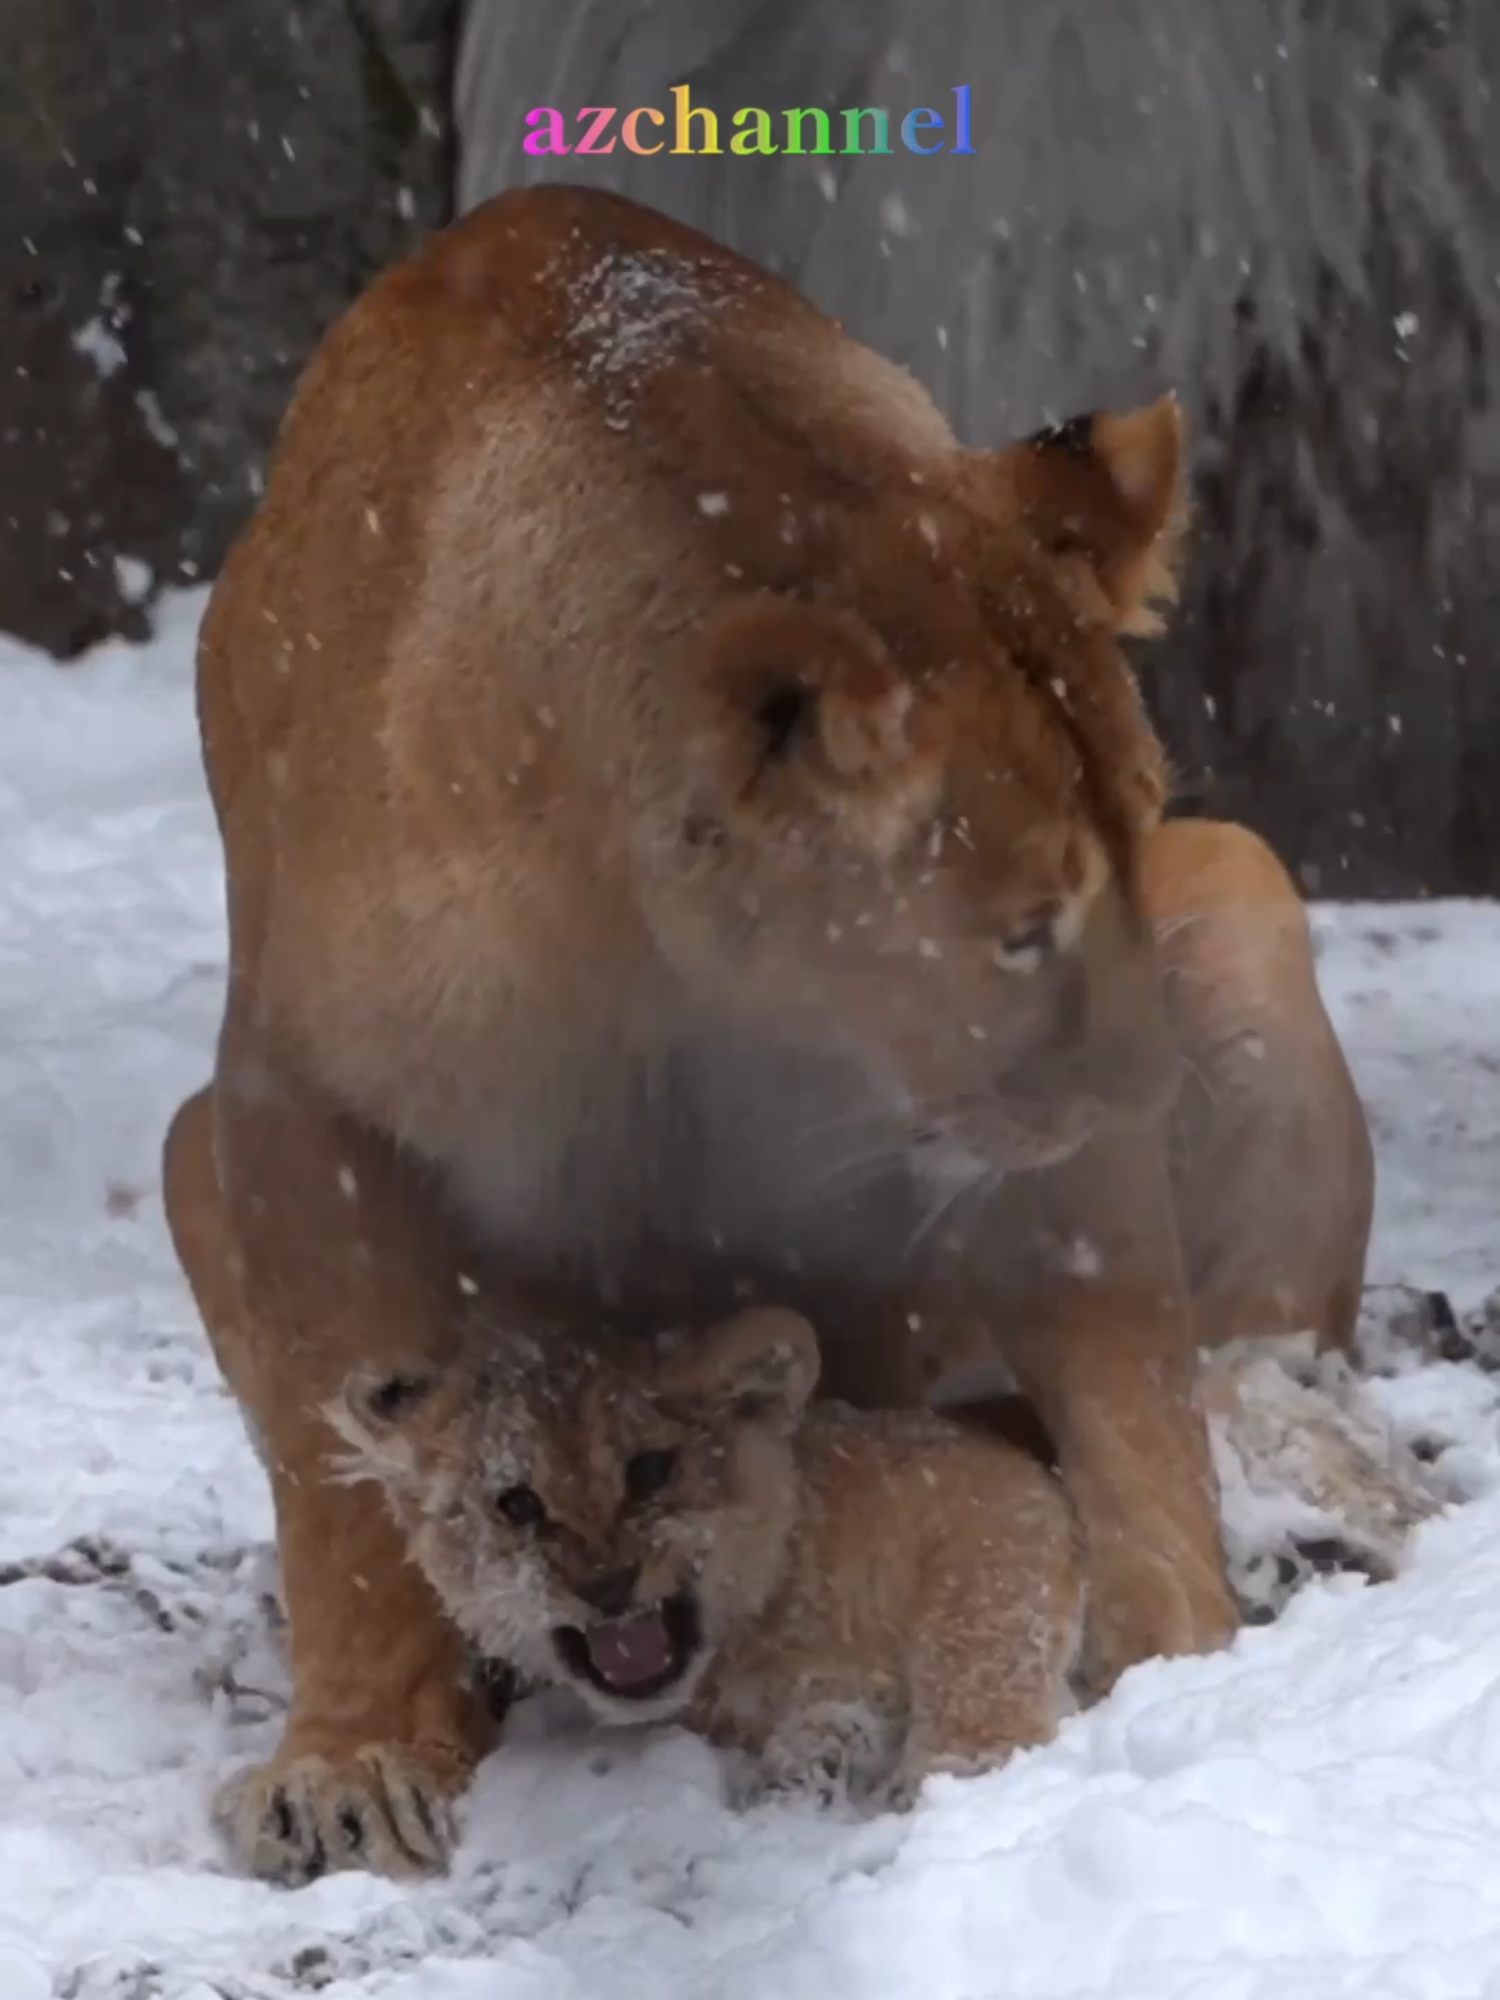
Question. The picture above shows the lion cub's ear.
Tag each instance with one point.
(760, 1367)
(372, 1413)
(1110, 488)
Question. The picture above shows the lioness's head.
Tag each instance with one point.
(604, 1524)
(910, 820)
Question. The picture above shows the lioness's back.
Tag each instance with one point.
(602, 371)
(558, 378)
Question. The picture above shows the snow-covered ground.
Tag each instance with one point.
(1316, 1813)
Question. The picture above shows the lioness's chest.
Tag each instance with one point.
(695, 1179)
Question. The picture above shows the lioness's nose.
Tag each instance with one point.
(611, 1593)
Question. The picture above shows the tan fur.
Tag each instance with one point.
(879, 1594)
(1297, 1438)
(691, 836)
(1267, 1108)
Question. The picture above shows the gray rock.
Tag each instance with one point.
(1288, 211)
(189, 193)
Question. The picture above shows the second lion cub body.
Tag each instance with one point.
(854, 1598)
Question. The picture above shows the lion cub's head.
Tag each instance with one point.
(602, 1522)
(918, 779)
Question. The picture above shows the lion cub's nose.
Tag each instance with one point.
(611, 1593)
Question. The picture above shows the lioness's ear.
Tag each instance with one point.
(760, 1367)
(1110, 488)
(785, 682)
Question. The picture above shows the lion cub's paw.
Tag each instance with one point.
(820, 1783)
(831, 1754)
(908, 1781)
(387, 1808)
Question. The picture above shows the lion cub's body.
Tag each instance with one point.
(928, 1618)
(853, 1597)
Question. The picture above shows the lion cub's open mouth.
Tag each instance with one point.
(635, 1658)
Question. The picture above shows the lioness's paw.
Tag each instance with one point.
(383, 1807)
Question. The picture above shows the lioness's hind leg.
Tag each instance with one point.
(1273, 1164)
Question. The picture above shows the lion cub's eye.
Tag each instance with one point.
(648, 1473)
(521, 1506)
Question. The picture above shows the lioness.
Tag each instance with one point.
(692, 838)
(856, 1597)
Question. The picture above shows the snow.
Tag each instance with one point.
(1315, 1813)
(96, 343)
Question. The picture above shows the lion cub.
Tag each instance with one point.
(855, 1598)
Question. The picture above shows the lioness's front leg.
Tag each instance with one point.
(304, 1247)
(1091, 1311)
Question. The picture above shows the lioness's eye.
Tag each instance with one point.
(648, 1472)
(1030, 941)
(521, 1507)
